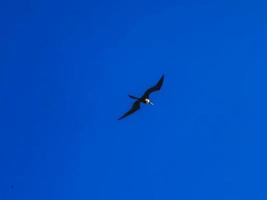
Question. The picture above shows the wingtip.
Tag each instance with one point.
(120, 118)
(162, 77)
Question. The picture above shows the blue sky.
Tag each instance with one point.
(67, 68)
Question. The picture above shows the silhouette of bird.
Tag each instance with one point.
(144, 99)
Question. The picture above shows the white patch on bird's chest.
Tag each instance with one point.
(147, 101)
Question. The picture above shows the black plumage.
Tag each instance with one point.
(144, 99)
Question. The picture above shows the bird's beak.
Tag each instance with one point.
(151, 103)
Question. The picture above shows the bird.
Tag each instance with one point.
(144, 99)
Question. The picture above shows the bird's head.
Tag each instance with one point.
(148, 101)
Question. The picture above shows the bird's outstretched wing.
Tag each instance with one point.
(134, 108)
(154, 88)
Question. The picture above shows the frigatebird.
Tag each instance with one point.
(144, 99)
